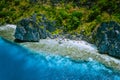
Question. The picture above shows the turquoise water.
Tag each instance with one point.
(18, 63)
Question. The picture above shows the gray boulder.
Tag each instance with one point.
(27, 30)
(107, 38)
(32, 29)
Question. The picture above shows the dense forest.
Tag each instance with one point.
(69, 16)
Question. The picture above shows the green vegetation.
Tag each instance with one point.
(70, 15)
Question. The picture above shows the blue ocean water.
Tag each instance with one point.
(18, 63)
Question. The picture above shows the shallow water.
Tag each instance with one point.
(18, 63)
(77, 50)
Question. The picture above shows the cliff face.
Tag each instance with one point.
(107, 38)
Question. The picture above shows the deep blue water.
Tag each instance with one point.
(18, 63)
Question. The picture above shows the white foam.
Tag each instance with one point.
(81, 46)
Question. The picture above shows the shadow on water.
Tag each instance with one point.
(18, 63)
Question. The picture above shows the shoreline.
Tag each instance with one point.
(76, 50)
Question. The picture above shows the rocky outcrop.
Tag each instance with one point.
(107, 38)
(29, 29)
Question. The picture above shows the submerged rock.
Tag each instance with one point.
(108, 38)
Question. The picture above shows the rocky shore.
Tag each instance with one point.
(75, 49)
(106, 36)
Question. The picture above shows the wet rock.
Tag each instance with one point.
(107, 38)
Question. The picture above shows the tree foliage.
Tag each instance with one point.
(69, 15)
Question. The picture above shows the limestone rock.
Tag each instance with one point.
(27, 30)
(107, 38)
